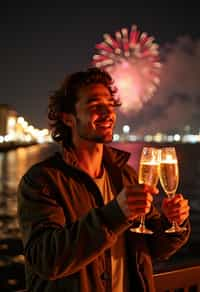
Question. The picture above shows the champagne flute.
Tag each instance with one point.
(169, 178)
(148, 174)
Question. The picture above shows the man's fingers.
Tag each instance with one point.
(178, 217)
(176, 203)
(142, 188)
(136, 200)
(143, 197)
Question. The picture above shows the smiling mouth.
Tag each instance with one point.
(105, 124)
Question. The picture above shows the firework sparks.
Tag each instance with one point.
(132, 59)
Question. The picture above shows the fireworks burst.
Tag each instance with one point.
(132, 59)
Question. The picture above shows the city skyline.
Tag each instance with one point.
(40, 44)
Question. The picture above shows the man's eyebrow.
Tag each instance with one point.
(92, 99)
(95, 98)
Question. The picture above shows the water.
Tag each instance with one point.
(14, 164)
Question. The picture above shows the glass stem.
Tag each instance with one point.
(142, 221)
(174, 225)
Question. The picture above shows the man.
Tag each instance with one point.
(76, 209)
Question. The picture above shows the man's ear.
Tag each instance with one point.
(68, 119)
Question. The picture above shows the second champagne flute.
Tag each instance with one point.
(169, 178)
(148, 174)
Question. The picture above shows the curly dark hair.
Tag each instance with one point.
(65, 98)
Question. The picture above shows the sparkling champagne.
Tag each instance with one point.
(149, 173)
(169, 176)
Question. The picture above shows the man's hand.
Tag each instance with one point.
(176, 209)
(136, 200)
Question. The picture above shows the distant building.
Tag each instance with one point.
(8, 118)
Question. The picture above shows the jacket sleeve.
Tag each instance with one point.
(53, 248)
(161, 244)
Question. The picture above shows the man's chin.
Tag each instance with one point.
(105, 140)
(99, 138)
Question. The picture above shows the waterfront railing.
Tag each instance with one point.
(181, 280)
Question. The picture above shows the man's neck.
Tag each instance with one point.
(90, 158)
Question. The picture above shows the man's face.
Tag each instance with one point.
(95, 114)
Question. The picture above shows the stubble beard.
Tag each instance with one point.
(97, 138)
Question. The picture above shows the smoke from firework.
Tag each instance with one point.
(177, 101)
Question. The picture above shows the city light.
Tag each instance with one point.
(127, 135)
(16, 130)
(126, 129)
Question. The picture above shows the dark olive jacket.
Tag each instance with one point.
(68, 231)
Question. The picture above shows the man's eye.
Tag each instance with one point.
(93, 105)
(101, 106)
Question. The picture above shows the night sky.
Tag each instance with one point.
(40, 43)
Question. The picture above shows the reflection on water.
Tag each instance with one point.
(13, 165)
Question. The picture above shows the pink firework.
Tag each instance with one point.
(132, 59)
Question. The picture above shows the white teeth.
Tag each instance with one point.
(104, 125)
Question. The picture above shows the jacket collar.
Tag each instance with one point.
(115, 156)
(111, 155)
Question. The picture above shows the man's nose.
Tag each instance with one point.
(105, 109)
